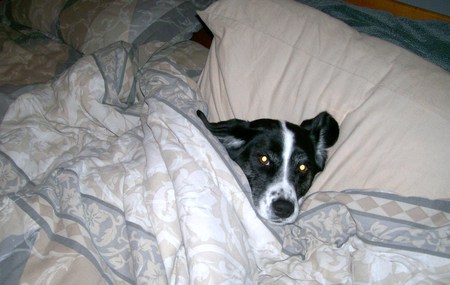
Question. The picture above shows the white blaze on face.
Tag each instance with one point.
(288, 144)
(281, 187)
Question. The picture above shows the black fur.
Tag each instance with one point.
(247, 141)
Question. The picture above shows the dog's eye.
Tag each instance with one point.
(264, 160)
(303, 168)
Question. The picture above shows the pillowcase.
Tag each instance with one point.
(285, 60)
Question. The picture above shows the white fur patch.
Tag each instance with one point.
(288, 144)
(321, 152)
(281, 188)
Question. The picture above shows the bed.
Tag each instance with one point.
(107, 176)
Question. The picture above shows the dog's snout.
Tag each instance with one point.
(283, 208)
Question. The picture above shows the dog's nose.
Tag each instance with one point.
(283, 208)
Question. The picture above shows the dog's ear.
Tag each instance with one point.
(233, 133)
(324, 131)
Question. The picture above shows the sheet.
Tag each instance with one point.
(108, 177)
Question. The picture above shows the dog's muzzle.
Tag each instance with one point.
(283, 208)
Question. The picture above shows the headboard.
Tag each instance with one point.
(400, 9)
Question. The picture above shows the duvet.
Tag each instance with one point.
(108, 177)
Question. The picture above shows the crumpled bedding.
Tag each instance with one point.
(27, 58)
(108, 177)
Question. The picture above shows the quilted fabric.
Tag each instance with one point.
(89, 25)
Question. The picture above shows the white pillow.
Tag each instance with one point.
(285, 60)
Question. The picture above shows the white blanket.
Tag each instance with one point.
(108, 177)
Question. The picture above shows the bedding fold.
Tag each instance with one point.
(108, 171)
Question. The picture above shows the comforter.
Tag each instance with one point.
(108, 177)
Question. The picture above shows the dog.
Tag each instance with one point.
(280, 159)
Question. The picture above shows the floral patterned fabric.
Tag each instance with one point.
(89, 25)
(108, 177)
(40, 39)
(30, 57)
(27, 58)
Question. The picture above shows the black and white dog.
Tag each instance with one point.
(280, 159)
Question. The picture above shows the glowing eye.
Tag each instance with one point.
(264, 160)
(302, 168)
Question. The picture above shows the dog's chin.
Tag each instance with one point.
(281, 222)
(278, 221)
(267, 215)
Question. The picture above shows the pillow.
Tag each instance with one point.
(89, 25)
(285, 60)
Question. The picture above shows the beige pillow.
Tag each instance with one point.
(285, 60)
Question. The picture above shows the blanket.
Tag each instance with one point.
(27, 58)
(108, 177)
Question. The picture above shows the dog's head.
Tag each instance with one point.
(280, 159)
